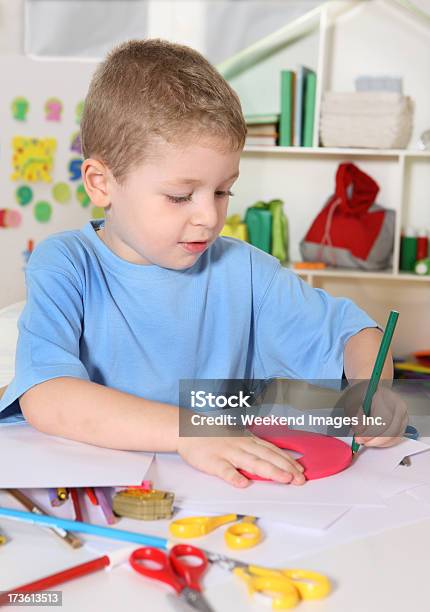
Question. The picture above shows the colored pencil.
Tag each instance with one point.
(54, 579)
(80, 527)
(36, 510)
(74, 494)
(42, 584)
(105, 505)
(62, 494)
(377, 369)
(91, 495)
(53, 498)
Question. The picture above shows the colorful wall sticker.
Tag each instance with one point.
(79, 109)
(20, 107)
(75, 144)
(24, 195)
(42, 211)
(61, 193)
(10, 218)
(53, 109)
(75, 169)
(33, 158)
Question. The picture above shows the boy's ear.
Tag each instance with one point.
(96, 178)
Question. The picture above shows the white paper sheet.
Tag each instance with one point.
(421, 493)
(358, 523)
(356, 486)
(33, 459)
(306, 516)
(282, 544)
(418, 472)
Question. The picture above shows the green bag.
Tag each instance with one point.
(268, 228)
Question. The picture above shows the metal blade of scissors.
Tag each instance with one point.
(225, 563)
(179, 604)
(196, 600)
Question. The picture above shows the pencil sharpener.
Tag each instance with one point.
(143, 505)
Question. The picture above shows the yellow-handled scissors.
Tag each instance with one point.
(286, 587)
(245, 534)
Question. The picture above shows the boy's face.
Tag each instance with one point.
(170, 209)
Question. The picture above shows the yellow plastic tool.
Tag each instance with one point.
(245, 534)
(286, 587)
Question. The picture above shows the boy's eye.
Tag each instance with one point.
(179, 199)
(223, 194)
(187, 198)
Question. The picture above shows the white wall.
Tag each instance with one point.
(90, 28)
(217, 28)
(37, 81)
(11, 27)
(305, 182)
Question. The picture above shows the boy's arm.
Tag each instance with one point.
(359, 358)
(360, 355)
(88, 412)
(99, 415)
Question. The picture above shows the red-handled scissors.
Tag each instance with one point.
(174, 570)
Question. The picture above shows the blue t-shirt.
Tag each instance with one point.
(235, 314)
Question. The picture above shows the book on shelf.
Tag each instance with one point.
(309, 109)
(267, 129)
(299, 107)
(262, 130)
(286, 121)
(298, 93)
(262, 118)
(261, 141)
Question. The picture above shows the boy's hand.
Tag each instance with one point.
(222, 457)
(387, 405)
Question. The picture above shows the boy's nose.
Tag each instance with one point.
(206, 214)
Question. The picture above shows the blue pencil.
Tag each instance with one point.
(96, 530)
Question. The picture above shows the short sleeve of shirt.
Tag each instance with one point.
(301, 332)
(49, 327)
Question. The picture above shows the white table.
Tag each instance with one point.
(388, 571)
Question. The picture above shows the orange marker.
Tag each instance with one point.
(309, 265)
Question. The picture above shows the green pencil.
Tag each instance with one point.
(377, 368)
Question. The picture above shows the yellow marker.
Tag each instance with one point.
(62, 494)
(245, 534)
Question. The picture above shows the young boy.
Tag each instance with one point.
(119, 312)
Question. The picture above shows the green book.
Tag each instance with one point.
(309, 109)
(286, 121)
(261, 118)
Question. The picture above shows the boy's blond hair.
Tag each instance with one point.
(147, 88)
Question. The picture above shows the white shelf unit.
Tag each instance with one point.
(392, 153)
(402, 159)
(381, 275)
(340, 41)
